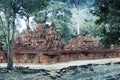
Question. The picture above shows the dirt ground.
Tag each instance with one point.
(64, 64)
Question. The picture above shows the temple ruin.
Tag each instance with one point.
(37, 42)
(83, 43)
(40, 39)
(45, 46)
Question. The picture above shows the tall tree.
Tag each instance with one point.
(108, 12)
(11, 8)
(78, 5)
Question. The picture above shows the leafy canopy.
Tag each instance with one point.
(108, 12)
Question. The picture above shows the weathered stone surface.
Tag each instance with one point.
(83, 43)
(40, 39)
(45, 46)
(109, 71)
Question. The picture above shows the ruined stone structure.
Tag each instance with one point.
(40, 39)
(83, 43)
(45, 46)
(35, 42)
(78, 55)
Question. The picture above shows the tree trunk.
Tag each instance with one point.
(9, 54)
(10, 57)
(10, 50)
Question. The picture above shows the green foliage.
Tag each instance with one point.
(110, 35)
(11, 8)
(89, 30)
(2, 34)
(89, 27)
(58, 13)
(31, 8)
(108, 12)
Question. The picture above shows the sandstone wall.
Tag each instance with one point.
(79, 55)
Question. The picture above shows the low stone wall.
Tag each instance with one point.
(79, 55)
(50, 57)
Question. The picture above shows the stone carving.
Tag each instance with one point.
(83, 43)
(42, 45)
(40, 39)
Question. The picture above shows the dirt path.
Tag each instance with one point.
(65, 64)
